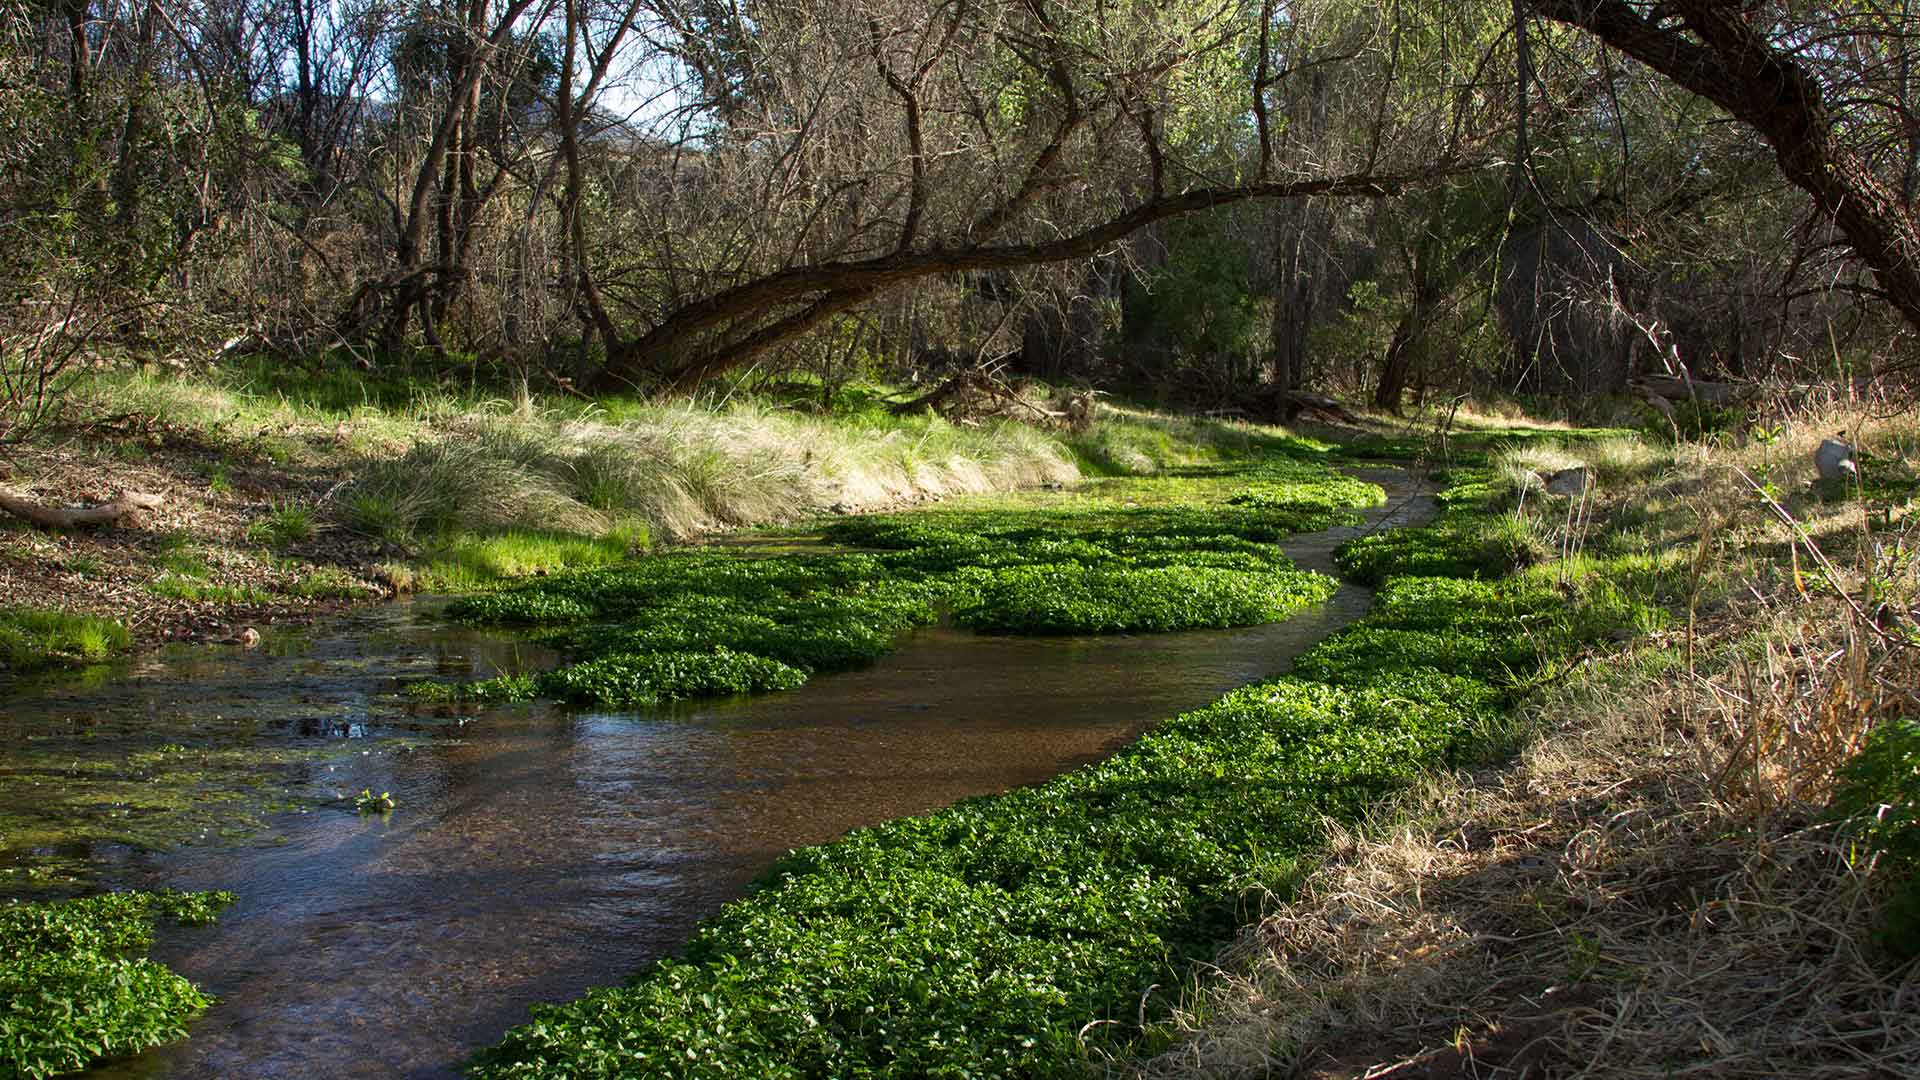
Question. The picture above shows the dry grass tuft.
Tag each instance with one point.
(1621, 903)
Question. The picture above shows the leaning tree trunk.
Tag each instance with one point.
(1733, 65)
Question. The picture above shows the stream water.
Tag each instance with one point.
(536, 851)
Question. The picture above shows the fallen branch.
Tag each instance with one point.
(66, 517)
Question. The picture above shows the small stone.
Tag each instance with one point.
(1834, 460)
(248, 638)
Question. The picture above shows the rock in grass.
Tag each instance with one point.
(1834, 460)
(1570, 483)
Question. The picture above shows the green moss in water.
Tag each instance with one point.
(74, 988)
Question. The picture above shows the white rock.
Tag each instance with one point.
(1834, 459)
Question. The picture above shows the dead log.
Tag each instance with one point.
(1306, 401)
(66, 517)
(1709, 393)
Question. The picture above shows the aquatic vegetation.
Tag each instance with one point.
(74, 991)
(1417, 551)
(1076, 599)
(1302, 486)
(34, 638)
(64, 793)
(767, 623)
(626, 680)
(1015, 935)
(368, 803)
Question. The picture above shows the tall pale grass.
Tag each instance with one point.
(681, 470)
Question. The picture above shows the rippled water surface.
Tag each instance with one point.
(535, 851)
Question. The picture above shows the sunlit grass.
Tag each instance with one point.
(465, 561)
(34, 638)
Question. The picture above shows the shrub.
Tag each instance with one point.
(1879, 795)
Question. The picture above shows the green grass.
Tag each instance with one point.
(32, 638)
(176, 585)
(284, 525)
(1879, 798)
(466, 561)
(1027, 934)
(328, 583)
(76, 991)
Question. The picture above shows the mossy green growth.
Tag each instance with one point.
(73, 990)
(32, 638)
(1096, 565)
(1022, 934)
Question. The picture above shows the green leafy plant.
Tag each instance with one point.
(1879, 796)
(368, 803)
(75, 989)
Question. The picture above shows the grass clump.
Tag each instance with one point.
(465, 561)
(283, 526)
(75, 992)
(32, 638)
(1016, 935)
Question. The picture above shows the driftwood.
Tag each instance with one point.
(974, 393)
(66, 517)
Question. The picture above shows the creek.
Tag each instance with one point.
(538, 851)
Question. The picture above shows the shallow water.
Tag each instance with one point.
(536, 851)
